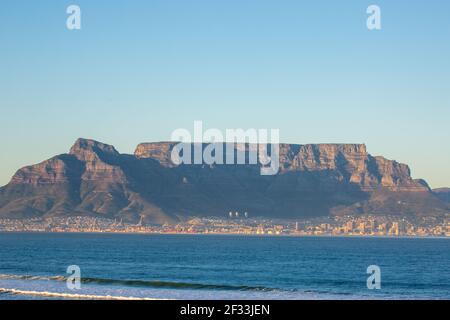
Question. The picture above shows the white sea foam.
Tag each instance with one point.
(69, 295)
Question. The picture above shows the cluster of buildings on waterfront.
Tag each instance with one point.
(241, 224)
(377, 226)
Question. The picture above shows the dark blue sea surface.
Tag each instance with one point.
(33, 266)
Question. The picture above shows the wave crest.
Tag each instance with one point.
(143, 283)
(68, 295)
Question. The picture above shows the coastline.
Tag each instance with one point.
(230, 234)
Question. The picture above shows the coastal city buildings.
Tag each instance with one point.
(368, 225)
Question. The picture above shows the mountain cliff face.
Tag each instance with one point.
(314, 180)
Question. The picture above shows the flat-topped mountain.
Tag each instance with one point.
(313, 180)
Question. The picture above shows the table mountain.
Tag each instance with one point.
(314, 180)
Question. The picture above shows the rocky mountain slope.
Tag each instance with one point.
(314, 180)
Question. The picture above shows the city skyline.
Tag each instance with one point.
(369, 225)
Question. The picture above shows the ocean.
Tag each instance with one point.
(199, 267)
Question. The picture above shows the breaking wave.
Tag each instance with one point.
(143, 283)
(67, 295)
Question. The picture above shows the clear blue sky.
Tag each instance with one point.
(140, 69)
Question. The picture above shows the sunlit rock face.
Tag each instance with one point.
(314, 180)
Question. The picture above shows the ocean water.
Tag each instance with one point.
(33, 266)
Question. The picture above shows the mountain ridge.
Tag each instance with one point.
(314, 180)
